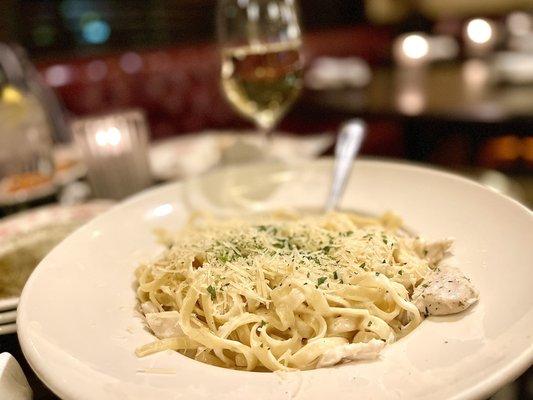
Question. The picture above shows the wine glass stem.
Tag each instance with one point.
(267, 138)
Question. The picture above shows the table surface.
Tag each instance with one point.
(465, 92)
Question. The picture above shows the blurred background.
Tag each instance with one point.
(447, 83)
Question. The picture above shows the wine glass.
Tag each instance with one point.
(262, 62)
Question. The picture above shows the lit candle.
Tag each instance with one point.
(115, 150)
(108, 138)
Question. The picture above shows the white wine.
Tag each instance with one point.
(262, 81)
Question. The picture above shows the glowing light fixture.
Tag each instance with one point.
(415, 46)
(96, 31)
(411, 49)
(479, 31)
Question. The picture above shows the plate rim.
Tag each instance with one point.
(379, 161)
(9, 303)
(486, 387)
(8, 329)
(64, 212)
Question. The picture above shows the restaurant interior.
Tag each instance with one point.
(100, 100)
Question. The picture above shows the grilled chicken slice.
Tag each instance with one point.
(445, 291)
(165, 324)
(351, 352)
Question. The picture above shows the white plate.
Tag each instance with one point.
(69, 167)
(69, 164)
(8, 317)
(8, 198)
(189, 155)
(81, 339)
(9, 303)
(8, 329)
(26, 227)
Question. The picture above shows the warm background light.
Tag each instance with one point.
(479, 31)
(415, 46)
(108, 137)
(411, 49)
(519, 23)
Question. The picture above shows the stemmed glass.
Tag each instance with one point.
(262, 62)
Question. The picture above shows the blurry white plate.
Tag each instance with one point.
(33, 226)
(9, 303)
(8, 329)
(8, 317)
(81, 339)
(69, 164)
(9, 197)
(189, 155)
(69, 167)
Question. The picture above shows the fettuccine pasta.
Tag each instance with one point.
(284, 291)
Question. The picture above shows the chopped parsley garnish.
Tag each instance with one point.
(335, 275)
(263, 323)
(400, 272)
(223, 258)
(321, 280)
(212, 292)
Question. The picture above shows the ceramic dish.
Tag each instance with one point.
(25, 238)
(69, 164)
(27, 187)
(78, 327)
(7, 329)
(192, 154)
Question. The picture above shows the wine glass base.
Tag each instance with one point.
(246, 150)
